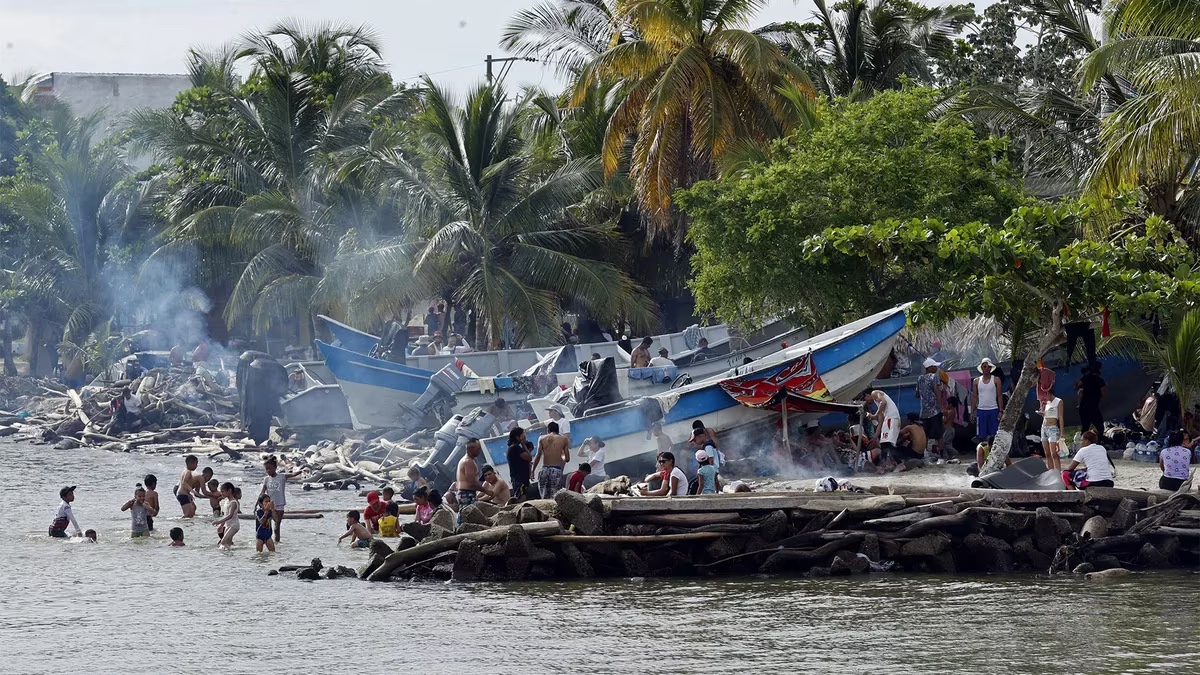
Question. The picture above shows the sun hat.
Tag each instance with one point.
(986, 362)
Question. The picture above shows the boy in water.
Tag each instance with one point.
(151, 482)
(139, 512)
(356, 531)
(90, 536)
(176, 536)
(212, 490)
(275, 487)
(65, 516)
(188, 483)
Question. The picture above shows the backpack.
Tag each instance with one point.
(694, 486)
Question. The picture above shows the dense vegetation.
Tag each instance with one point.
(691, 151)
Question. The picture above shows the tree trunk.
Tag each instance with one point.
(1002, 445)
(33, 344)
(10, 368)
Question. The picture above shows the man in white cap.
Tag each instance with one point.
(987, 400)
(932, 393)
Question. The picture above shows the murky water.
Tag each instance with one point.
(123, 605)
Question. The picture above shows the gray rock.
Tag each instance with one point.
(1009, 526)
(541, 556)
(418, 531)
(442, 571)
(928, 546)
(989, 553)
(1151, 558)
(380, 548)
(632, 564)
(405, 542)
(488, 509)
(541, 572)
(1046, 532)
(588, 522)
(1094, 528)
(570, 504)
(1105, 562)
(1124, 517)
(494, 550)
(820, 572)
(316, 564)
(846, 563)
(636, 530)
(7, 431)
(595, 503)
(474, 515)
(577, 561)
(775, 526)
(308, 574)
(517, 543)
(505, 518)
(331, 573)
(444, 519)
(724, 547)
(469, 561)
(66, 444)
(1084, 568)
(273, 573)
(468, 528)
(530, 514)
(437, 532)
(1024, 552)
(870, 547)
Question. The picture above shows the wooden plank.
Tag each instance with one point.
(74, 396)
(688, 519)
(634, 539)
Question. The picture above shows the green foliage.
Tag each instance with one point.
(1176, 353)
(871, 161)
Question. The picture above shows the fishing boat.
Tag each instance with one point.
(563, 364)
(830, 367)
(374, 388)
(508, 361)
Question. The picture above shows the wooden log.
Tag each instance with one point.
(737, 502)
(633, 539)
(687, 519)
(1117, 542)
(287, 515)
(1187, 532)
(785, 558)
(901, 519)
(423, 551)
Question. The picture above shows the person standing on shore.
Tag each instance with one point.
(519, 459)
(987, 400)
(1052, 431)
(275, 486)
(887, 425)
(932, 393)
(65, 515)
(661, 439)
(139, 513)
(187, 484)
(467, 477)
(1091, 389)
(553, 453)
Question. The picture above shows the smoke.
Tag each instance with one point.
(166, 301)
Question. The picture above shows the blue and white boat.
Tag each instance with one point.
(374, 388)
(846, 360)
(350, 338)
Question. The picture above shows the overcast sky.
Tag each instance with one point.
(445, 38)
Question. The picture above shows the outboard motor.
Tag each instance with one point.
(264, 384)
(243, 367)
(450, 442)
(442, 386)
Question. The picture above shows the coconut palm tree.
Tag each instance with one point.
(504, 238)
(258, 162)
(860, 46)
(696, 82)
(567, 34)
(1176, 354)
(1152, 139)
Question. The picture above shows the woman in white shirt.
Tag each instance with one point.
(1052, 431)
(1097, 470)
(675, 481)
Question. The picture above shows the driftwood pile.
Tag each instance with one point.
(351, 461)
(816, 534)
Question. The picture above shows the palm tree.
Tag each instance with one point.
(696, 82)
(70, 209)
(1175, 354)
(861, 46)
(483, 223)
(1152, 139)
(567, 34)
(260, 189)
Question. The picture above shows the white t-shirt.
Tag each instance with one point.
(276, 487)
(660, 361)
(133, 404)
(1051, 412)
(564, 426)
(597, 462)
(682, 488)
(890, 427)
(1095, 459)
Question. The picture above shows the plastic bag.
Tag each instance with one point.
(1064, 450)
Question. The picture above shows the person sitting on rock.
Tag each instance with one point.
(424, 509)
(1175, 461)
(498, 491)
(575, 484)
(675, 483)
(1098, 469)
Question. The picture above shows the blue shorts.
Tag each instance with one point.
(263, 533)
(987, 422)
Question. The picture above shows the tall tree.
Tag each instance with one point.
(504, 238)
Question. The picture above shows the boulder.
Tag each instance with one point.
(517, 549)
(418, 531)
(718, 549)
(989, 554)
(273, 573)
(308, 574)
(636, 530)
(775, 526)
(468, 563)
(1151, 558)
(488, 509)
(331, 573)
(66, 444)
(1009, 526)
(870, 547)
(405, 542)
(577, 561)
(541, 556)
(471, 513)
(437, 532)
(1046, 533)
(927, 546)
(1025, 553)
(530, 514)
(820, 572)
(1094, 528)
(7, 431)
(1124, 517)
(588, 522)
(443, 571)
(493, 550)
(505, 518)
(380, 548)
(632, 564)
(1105, 562)
(1170, 549)
(846, 563)
(1110, 574)
(1084, 568)
(444, 519)
(570, 504)
(468, 528)
(595, 503)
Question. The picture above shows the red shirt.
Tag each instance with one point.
(575, 484)
(375, 511)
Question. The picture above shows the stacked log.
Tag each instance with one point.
(814, 534)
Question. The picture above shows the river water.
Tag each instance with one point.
(122, 605)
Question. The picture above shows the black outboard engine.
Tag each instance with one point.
(265, 382)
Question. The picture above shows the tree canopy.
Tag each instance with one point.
(870, 161)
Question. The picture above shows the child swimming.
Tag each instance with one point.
(176, 536)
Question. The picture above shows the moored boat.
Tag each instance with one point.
(374, 388)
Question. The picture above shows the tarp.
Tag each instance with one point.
(799, 403)
(800, 378)
(595, 387)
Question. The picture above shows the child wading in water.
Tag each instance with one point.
(265, 515)
(356, 531)
(176, 536)
(228, 525)
(140, 512)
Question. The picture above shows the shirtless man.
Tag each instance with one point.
(553, 452)
(913, 439)
(500, 492)
(640, 358)
(188, 483)
(467, 479)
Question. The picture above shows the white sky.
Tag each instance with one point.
(445, 38)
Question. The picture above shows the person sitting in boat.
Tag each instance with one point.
(674, 480)
(458, 345)
(661, 360)
(640, 357)
(435, 345)
(702, 353)
(1097, 469)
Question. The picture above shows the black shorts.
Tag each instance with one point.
(150, 523)
(1167, 483)
(933, 428)
(184, 499)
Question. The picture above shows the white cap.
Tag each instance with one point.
(701, 456)
(931, 363)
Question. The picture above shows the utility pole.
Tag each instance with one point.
(507, 60)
